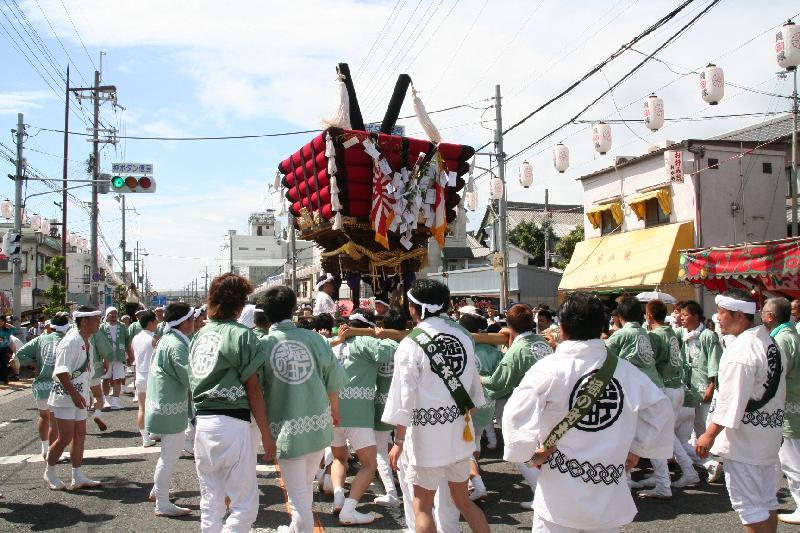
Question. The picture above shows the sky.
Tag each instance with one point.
(206, 68)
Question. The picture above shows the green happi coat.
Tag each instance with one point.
(788, 343)
(222, 356)
(102, 352)
(488, 358)
(669, 359)
(167, 405)
(118, 349)
(631, 342)
(522, 355)
(299, 372)
(361, 358)
(260, 332)
(134, 329)
(702, 355)
(41, 352)
(382, 384)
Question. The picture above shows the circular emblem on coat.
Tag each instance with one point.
(540, 349)
(453, 351)
(606, 409)
(49, 354)
(674, 351)
(291, 362)
(386, 370)
(645, 350)
(204, 354)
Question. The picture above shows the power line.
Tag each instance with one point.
(78, 34)
(61, 43)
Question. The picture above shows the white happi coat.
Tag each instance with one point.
(323, 303)
(583, 485)
(71, 357)
(753, 438)
(419, 399)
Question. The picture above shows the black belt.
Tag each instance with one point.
(240, 414)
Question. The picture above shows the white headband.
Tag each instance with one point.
(61, 329)
(425, 307)
(110, 310)
(174, 323)
(732, 304)
(82, 314)
(329, 279)
(360, 318)
(381, 302)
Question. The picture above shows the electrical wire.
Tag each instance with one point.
(61, 43)
(77, 33)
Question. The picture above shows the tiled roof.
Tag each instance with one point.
(775, 128)
(478, 250)
(563, 221)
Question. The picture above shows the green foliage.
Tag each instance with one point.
(119, 299)
(530, 237)
(566, 246)
(56, 294)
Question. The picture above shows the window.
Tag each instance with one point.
(654, 216)
(86, 274)
(766, 168)
(259, 231)
(243, 248)
(713, 163)
(41, 261)
(260, 249)
(609, 224)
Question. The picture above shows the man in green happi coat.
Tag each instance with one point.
(631, 341)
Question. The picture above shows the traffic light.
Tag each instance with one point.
(133, 184)
(12, 243)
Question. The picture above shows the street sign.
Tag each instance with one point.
(96, 276)
(159, 301)
(132, 168)
(26, 295)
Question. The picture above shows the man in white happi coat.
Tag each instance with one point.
(745, 422)
(432, 433)
(323, 301)
(582, 485)
(143, 346)
(69, 398)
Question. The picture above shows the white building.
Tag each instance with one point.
(260, 253)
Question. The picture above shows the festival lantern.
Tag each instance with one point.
(36, 222)
(712, 84)
(496, 188)
(526, 174)
(601, 137)
(6, 208)
(73, 239)
(561, 158)
(787, 46)
(471, 200)
(83, 244)
(45, 226)
(654, 112)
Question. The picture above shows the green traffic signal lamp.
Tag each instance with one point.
(117, 182)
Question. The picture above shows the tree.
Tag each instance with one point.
(530, 237)
(57, 292)
(566, 246)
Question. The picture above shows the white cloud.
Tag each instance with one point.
(21, 101)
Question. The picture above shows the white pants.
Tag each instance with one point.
(445, 512)
(226, 466)
(751, 489)
(789, 455)
(530, 474)
(701, 419)
(298, 477)
(171, 447)
(660, 467)
(382, 440)
(543, 526)
(684, 425)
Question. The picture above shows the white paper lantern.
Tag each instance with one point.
(73, 239)
(36, 222)
(45, 226)
(471, 200)
(654, 112)
(787, 46)
(496, 188)
(6, 209)
(83, 244)
(561, 158)
(712, 84)
(526, 174)
(601, 137)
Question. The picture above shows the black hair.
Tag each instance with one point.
(323, 321)
(147, 317)
(546, 314)
(366, 313)
(693, 308)
(430, 291)
(84, 309)
(394, 319)
(174, 311)
(494, 328)
(582, 316)
(740, 294)
(630, 309)
(260, 317)
(60, 319)
(305, 323)
(472, 323)
(279, 303)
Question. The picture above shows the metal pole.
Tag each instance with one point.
(230, 251)
(546, 228)
(64, 175)
(16, 306)
(122, 245)
(292, 252)
(793, 177)
(95, 176)
(501, 172)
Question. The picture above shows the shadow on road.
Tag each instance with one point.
(45, 516)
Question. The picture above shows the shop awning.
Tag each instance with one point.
(662, 195)
(595, 214)
(773, 266)
(633, 259)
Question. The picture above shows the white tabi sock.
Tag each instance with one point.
(45, 447)
(477, 482)
(145, 435)
(349, 506)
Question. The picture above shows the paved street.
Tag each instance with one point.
(126, 469)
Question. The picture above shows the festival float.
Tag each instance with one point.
(370, 199)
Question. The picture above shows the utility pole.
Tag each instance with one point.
(64, 178)
(16, 306)
(230, 251)
(292, 252)
(95, 176)
(122, 244)
(546, 230)
(205, 292)
(793, 181)
(500, 156)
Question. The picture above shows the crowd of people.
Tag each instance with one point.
(579, 397)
